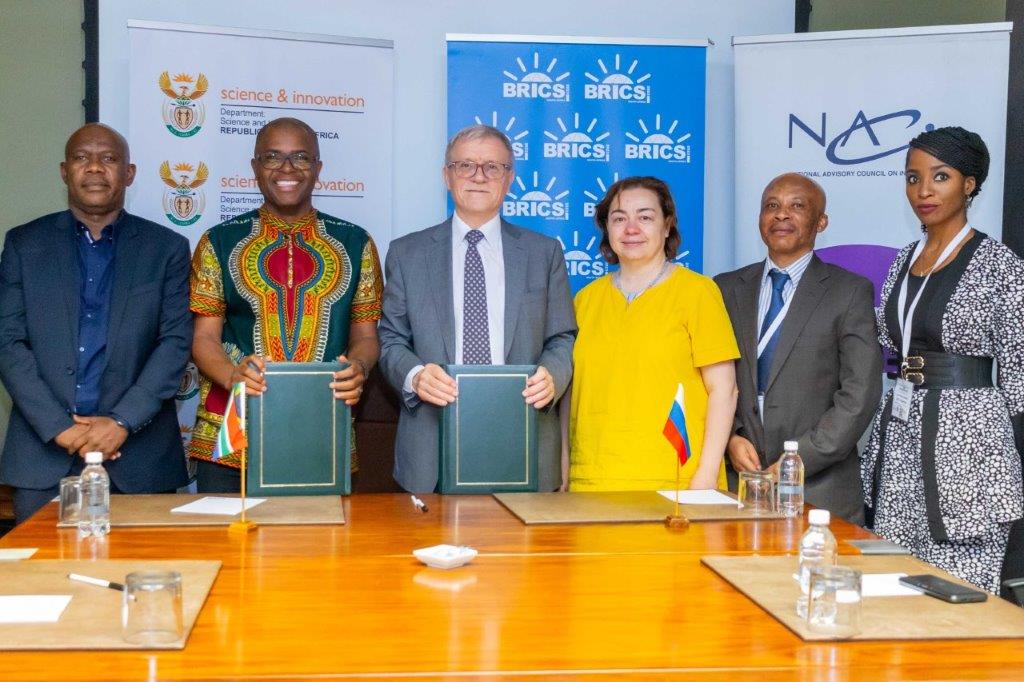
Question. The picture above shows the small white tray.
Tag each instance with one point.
(445, 556)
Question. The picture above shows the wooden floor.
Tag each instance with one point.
(543, 601)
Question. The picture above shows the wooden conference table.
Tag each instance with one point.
(573, 601)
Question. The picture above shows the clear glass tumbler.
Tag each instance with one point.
(152, 609)
(70, 500)
(757, 492)
(833, 606)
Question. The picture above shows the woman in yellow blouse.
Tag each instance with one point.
(642, 331)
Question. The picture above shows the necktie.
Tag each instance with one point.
(476, 342)
(764, 361)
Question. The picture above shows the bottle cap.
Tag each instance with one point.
(791, 445)
(94, 458)
(819, 517)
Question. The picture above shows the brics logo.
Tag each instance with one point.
(520, 146)
(536, 82)
(577, 143)
(183, 203)
(538, 201)
(658, 145)
(618, 83)
(585, 261)
(182, 115)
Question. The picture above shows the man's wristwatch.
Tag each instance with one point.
(122, 423)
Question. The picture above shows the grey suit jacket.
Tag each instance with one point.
(825, 379)
(418, 327)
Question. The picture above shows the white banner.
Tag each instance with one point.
(841, 107)
(198, 96)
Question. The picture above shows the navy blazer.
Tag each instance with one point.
(148, 343)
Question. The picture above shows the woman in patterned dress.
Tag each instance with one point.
(942, 472)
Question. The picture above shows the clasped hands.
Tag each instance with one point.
(433, 385)
(93, 434)
(347, 383)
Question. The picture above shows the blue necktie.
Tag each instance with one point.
(476, 340)
(764, 361)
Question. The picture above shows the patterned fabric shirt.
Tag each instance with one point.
(282, 289)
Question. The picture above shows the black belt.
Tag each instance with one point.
(930, 370)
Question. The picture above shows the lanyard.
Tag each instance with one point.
(762, 342)
(907, 322)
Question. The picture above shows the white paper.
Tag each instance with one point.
(885, 585)
(699, 497)
(16, 553)
(225, 506)
(33, 608)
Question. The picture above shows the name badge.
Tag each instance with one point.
(902, 395)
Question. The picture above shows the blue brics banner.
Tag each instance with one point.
(581, 114)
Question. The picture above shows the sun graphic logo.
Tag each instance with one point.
(183, 202)
(618, 84)
(536, 82)
(595, 196)
(586, 260)
(520, 146)
(658, 145)
(182, 115)
(537, 201)
(577, 143)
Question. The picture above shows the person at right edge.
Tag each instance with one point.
(941, 472)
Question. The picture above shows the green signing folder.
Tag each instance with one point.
(489, 434)
(299, 435)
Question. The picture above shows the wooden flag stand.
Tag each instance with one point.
(243, 525)
(677, 521)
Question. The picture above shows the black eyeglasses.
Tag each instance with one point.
(467, 169)
(275, 160)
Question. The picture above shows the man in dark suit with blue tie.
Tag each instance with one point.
(95, 332)
(810, 368)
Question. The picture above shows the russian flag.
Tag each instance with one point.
(231, 437)
(675, 427)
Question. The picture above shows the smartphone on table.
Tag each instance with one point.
(943, 589)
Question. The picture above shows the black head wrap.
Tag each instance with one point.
(959, 148)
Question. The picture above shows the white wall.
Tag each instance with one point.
(418, 29)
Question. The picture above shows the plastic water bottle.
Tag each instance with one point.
(790, 490)
(817, 548)
(95, 514)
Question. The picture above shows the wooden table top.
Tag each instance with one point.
(322, 601)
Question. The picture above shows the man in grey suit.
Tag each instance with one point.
(474, 289)
(810, 367)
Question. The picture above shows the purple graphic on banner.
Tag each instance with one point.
(868, 260)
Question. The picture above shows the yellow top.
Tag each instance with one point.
(628, 361)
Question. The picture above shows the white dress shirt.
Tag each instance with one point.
(764, 300)
(795, 271)
(493, 259)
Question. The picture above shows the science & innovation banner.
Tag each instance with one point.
(198, 95)
(841, 107)
(582, 113)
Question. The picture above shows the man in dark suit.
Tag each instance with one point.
(811, 367)
(474, 289)
(94, 334)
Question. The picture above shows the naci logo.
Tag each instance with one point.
(861, 141)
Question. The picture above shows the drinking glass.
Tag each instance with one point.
(151, 610)
(757, 492)
(70, 500)
(833, 606)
